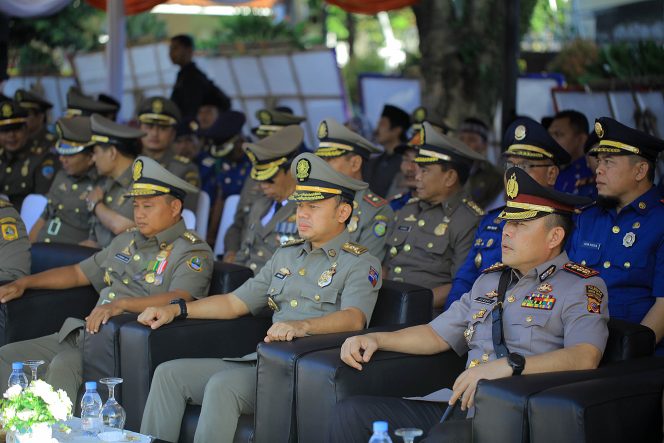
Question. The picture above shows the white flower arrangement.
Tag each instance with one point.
(38, 403)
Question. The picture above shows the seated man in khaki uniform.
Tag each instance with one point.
(66, 218)
(14, 245)
(434, 231)
(535, 312)
(153, 264)
(116, 147)
(37, 108)
(347, 152)
(318, 285)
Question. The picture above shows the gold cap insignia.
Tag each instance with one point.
(322, 130)
(265, 117)
(138, 169)
(599, 130)
(520, 132)
(157, 106)
(193, 125)
(6, 110)
(512, 187)
(252, 157)
(419, 115)
(303, 169)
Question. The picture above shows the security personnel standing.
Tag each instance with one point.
(529, 146)
(14, 244)
(66, 218)
(433, 233)
(347, 152)
(116, 147)
(24, 168)
(37, 108)
(81, 105)
(536, 312)
(271, 219)
(321, 284)
(622, 235)
(154, 264)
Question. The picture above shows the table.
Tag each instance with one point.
(77, 436)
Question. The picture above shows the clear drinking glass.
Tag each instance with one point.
(33, 365)
(112, 414)
(408, 434)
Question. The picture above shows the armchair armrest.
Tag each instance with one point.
(402, 304)
(627, 341)
(142, 349)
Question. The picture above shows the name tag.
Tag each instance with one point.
(280, 276)
(591, 245)
(405, 228)
(123, 258)
(486, 301)
(492, 228)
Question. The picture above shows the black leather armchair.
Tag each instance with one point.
(42, 312)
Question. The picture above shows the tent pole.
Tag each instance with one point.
(115, 11)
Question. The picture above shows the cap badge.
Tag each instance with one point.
(157, 106)
(6, 110)
(520, 132)
(265, 117)
(420, 115)
(512, 187)
(193, 125)
(138, 169)
(599, 130)
(322, 130)
(303, 169)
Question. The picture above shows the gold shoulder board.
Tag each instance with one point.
(354, 248)
(297, 241)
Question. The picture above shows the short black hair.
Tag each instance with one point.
(341, 199)
(651, 166)
(577, 120)
(185, 40)
(565, 222)
(462, 170)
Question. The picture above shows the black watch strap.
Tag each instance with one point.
(517, 362)
(183, 307)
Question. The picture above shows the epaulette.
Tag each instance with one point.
(499, 266)
(4, 203)
(354, 248)
(182, 159)
(297, 241)
(193, 238)
(580, 270)
(132, 229)
(412, 200)
(375, 200)
(473, 206)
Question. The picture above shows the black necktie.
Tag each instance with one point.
(497, 316)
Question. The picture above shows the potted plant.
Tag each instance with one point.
(29, 413)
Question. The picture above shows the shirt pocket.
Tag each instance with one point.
(399, 235)
(590, 257)
(276, 289)
(318, 301)
(527, 329)
(431, 243)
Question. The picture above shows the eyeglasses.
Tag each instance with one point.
(524, 166)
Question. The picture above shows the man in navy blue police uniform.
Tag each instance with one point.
(622, 235)
(529, 147)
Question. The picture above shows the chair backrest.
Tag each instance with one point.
(402, 304)
(230, 206)
(52, 255)
(227, 277)
(32, 208)
(189, 219)
(202, 213)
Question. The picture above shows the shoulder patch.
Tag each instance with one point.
(193, 238)
(375, 200)
(182, 159)
(354, 248)
(412, 200)
(495, 268)
(580, 270)
(295, 242)
(132, 229)
(473, 206)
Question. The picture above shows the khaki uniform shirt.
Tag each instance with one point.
(547, 309)
(304, 283)
(428, 243)
(371, 220)
(42, 139)
(114, 199)
(260, 242)
(251, 191)
(27, 171)
(14, 244)
(66, 214)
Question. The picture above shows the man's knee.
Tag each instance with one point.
(67, 362)
(169, 371)
(231, 383)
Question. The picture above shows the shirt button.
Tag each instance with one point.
(420, 223)
(317, 297)
(529, 318)
(393, 251)
(395, 239)
(125, 281)
(137, 257)
(607, 264)
(61, 206)
(293, 303)
(74, 186)
(77, 210)
(429, 245)
(485, 358)
(253, 266)
(23, 185)
(583, 262)
(406, 248)
(302, 272)
(271, 290)
(8, 170)
(109, 199)
(47, 240)
(111, 295)
(628, 264)
(615, 229)
(397, 270)
(510, 299)
(260, 253)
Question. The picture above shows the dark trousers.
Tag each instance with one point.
(353, 419)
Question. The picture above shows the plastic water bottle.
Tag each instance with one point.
(380, 434)
(91, 409)
(17, 376)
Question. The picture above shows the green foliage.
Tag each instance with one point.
(145, 28)
(38, 403)
(250, 30)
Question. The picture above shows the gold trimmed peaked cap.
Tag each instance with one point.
(528, 200)
(269, 154)
(74, 135)
(337, 140)
(12, 116)
(151, 179)
(107, 132)
(526, 138)
(159, 111)
(272, 121)
(618, 139)
(30, 100)
(79, 104)
(437, 147)
(316, 180)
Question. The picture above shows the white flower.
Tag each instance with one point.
(25, 415)
(40, 388)
(59, 411)
(13, 392)
(9, 413)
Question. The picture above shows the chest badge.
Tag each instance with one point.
(272, 304)
(538, 301)
(468, 333)
(545, 288)
(629, 239)
(326, 277)
(440, 229)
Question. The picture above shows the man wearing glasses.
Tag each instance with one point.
(528, 146)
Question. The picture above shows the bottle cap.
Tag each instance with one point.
(17, 365)
(90, 385)
(380, 426)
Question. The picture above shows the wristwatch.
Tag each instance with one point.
(517, 362)
(183, 307)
